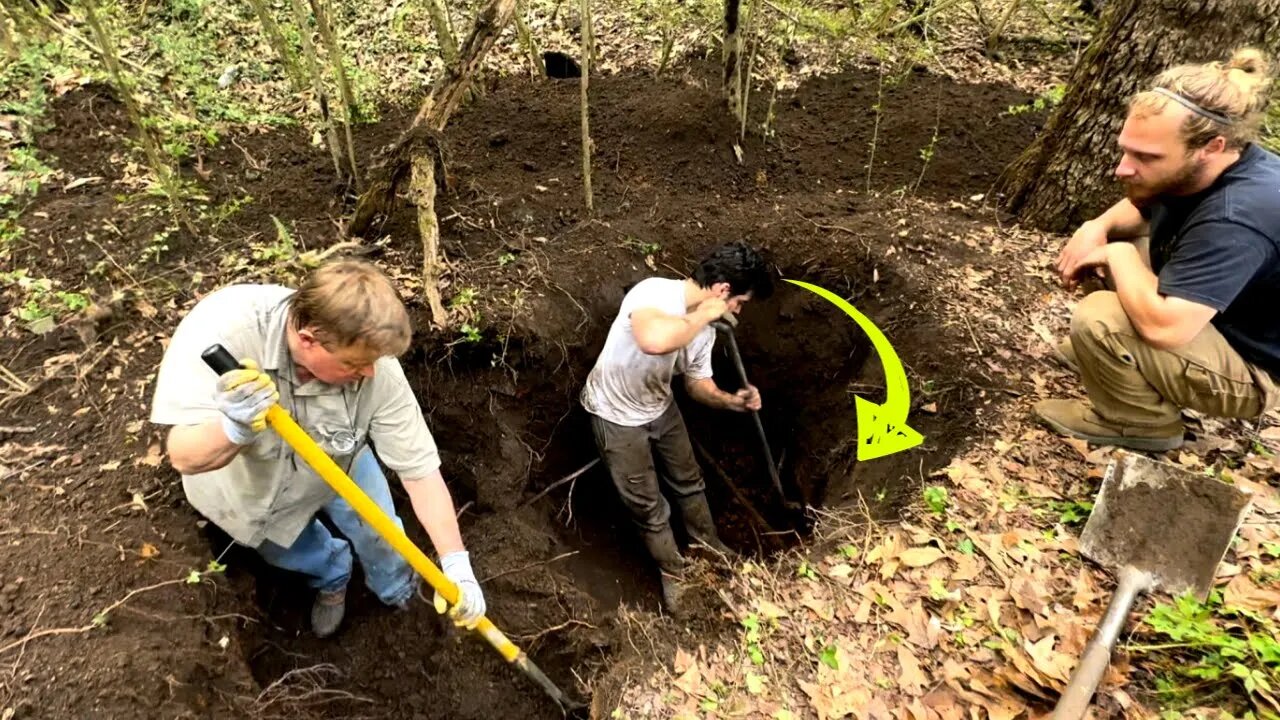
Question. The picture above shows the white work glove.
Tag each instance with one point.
(470, 608)
(243, 396)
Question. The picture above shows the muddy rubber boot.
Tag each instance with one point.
(662, 546)
(327, 612)
(700, 525)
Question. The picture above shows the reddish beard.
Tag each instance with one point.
(1180, 183)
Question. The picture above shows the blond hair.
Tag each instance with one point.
(1236, 92)
(350, 302)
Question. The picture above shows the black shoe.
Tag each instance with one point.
(327, 612)
(662, 546)
(700, 525)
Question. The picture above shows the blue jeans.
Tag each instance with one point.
(326, 560)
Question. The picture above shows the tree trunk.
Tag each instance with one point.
(434, 113)
(408, 159)
(6, 37)
(585, 5)
(312, 61)
(732, 58)
(422, 190)
(344, 87)
(1065, 176)
(527, 41)
(276, 39)
(439, 15)
(448, 93)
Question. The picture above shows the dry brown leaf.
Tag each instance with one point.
(770, 610)
(967, 567)
(1086, 590)
(1004, 708)
(1048, 661)
(152, 458)
(110, 466)
(942, 701)
(683, 662)
(691, 680)
(912, 678)
(1243, 592)
(1029, 594)
(821, 608)
(863, 614)
(920, 556)
(915, 621)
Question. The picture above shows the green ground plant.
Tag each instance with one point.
(1214, 649)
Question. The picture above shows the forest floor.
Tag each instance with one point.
(942, 582)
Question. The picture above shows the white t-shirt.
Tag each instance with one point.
(629, 387)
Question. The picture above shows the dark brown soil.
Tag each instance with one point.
(547, 282)
(1164, 520)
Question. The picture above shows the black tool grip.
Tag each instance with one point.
(218, 358)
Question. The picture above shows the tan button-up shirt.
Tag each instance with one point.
(267, 492)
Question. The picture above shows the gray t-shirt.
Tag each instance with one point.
(629, 387)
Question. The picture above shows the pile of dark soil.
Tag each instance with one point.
(90, 513)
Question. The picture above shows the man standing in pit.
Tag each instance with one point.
(327, 354)
(663, 329)
(1191, 324)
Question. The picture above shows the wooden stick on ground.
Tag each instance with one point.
(567, 478)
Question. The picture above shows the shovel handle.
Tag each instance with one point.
(219, 359)
(1085, 679)
(727, 329)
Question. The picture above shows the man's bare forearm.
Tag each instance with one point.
(433, 505)
(708, 393)
(1123, 221)
(195, 449)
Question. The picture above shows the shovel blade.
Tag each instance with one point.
(1162, 519)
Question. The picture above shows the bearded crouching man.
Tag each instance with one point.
(664, 329)
(327, 353)
(1194, 322)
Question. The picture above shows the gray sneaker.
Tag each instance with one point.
(327, 612)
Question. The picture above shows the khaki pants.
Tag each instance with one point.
(628, 453)
(1132, 384)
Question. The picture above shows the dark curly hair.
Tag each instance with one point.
(738, 264)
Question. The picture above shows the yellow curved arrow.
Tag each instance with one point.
(882, 429)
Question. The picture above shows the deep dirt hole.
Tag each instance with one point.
(800, 352)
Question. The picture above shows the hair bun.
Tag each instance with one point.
(1249, 60)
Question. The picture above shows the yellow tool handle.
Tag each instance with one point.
(218, 358)
(309, 451)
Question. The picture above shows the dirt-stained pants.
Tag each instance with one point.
(1133, 384)
(628, 452)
